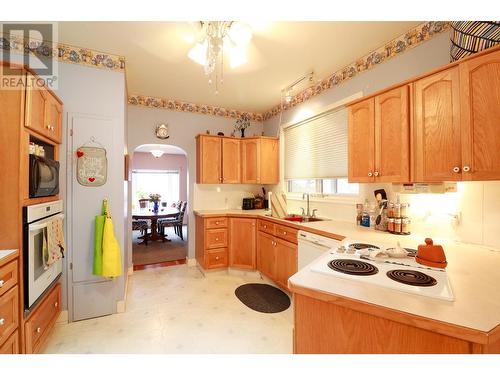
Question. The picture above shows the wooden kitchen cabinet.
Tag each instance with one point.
(480, 117)
(438, 154)
(250, 161)
(11, 345)
(266, 254)
(286, 261)
(231, 161)
(361, 147)
(211, 243)
(260, 160)
(379, 138)
(43, 113)
(209, 159)
(9, 314)
(392, 136)
(242, 247)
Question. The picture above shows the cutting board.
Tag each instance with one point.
(278, 205)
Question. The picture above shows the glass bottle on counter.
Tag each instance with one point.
(359, 210)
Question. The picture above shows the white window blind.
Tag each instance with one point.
(317, 147)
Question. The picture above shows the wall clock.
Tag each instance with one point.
(162, 131)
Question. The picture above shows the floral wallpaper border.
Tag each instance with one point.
(177, 105)
(395, 47)
(63, 52)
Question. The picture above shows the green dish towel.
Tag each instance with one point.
(99, 231)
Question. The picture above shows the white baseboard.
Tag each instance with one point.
(191, 262)
(130, 271)
(63, 317)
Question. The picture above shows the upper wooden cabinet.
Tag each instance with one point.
(234, 160)
(379, 129)
(209, 159)
(361, 146)
(231, 162)
(441, 126)
(260, 160)
(242, 242)
(392, 136)
(480, 117)
(43, 112)
(438, 155)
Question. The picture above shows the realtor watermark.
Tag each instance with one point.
(28, 47)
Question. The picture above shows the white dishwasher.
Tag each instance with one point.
(312, 246)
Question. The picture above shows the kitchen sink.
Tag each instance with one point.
(300, 219)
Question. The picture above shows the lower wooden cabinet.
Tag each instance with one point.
(266, 254)
(9, 313)
(242, 242)
(38, 326)
(11, 345)
(286, 261)
(211, 242)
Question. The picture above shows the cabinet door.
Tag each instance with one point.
(269, 161)
(361, 141)
(266, 254)
(242, 249)
(438, 155)
(286, 261)
(53, 119)
(392, 136)
(250, 161)
(35, 107)
(480, 110)
(209, 164)
(231, 165)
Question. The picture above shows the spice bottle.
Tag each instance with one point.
(390, 224)
(405, 225)
(404, 209)
(397, 225)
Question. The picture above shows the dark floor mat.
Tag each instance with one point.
(263, 298)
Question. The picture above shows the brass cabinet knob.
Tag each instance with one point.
(216, 258)
(56, 304)
(216, 223)
(376, 174)
(217, 238)
(38, 330)
(1, 283)
(456, 169)
(370, 174)
(284, 233)
(2, 321)
(466, 168)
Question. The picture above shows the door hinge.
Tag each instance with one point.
(70, 132)
(71, 266)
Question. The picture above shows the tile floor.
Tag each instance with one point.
(178, 310)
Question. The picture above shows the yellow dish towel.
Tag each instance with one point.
(111, 254)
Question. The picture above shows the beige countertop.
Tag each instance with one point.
(473, 271)
(6, 253)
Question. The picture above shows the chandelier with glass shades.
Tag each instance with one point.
(217, 38)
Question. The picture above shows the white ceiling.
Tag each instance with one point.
(280, 52)
(167, 149)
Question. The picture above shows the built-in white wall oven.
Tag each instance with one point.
(38, 277)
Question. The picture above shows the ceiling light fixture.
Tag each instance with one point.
(157, 153)
(215, 38)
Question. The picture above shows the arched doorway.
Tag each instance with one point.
(157, 239)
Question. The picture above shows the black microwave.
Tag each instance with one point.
(43, 177)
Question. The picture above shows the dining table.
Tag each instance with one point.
(148, 214)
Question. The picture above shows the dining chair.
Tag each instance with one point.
(176, 222)
(143, 226)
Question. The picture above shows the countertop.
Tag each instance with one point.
(5, 254)
(473, 271)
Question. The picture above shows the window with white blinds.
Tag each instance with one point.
(317, 147)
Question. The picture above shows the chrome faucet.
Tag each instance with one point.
(308, 212)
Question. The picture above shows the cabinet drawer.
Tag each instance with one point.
(8, 277)
(215, 238)
(286, 233)
(216, 222)
(41, 321)
(9, 314)
(266, 226)
(11, 346)
(216, 258)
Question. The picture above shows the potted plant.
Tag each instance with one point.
(242, 123)
(143, 199)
